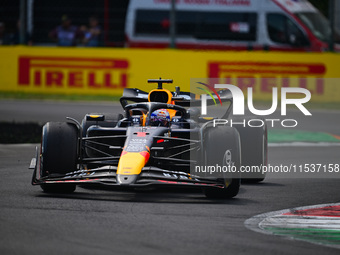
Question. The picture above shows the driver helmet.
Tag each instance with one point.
(160, 117)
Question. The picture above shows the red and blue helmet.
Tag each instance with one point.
(160, 117)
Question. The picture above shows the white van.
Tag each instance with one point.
(286, 25)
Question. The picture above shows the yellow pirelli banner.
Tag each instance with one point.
(107, 71)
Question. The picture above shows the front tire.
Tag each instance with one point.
(222, 147)
(254, 144)
(59, 154)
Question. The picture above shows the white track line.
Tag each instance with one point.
(292, 221)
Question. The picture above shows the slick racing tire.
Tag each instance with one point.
(254, 144)
(110, 120)
(222, 146)
(59, 154)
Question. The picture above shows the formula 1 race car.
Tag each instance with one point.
(158, 141)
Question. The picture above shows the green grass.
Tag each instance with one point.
(260, 104)
(327, 106)
(288, 136)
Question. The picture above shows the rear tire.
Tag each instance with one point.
(222, 147)
(59, 154)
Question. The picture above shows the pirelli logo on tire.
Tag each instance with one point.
(74, 73)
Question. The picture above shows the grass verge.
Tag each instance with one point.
(11, 132)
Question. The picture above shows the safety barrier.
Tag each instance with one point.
(106, 71)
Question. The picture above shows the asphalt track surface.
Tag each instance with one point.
(151, 222)
(44, 111)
